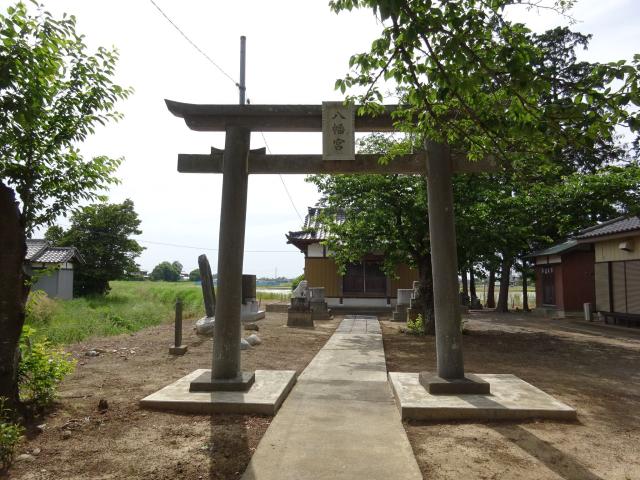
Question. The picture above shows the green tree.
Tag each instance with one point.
(485, 85)
(54, 234)
(53, 93)
(194, 275)
(382, 212)
(101, 234)
(167, 271)
(177, 267)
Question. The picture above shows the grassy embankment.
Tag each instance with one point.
(128, 307)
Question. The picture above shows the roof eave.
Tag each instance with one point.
(609, 236)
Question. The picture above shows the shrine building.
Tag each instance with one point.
(364, 284)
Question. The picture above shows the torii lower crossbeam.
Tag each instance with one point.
(260, 163)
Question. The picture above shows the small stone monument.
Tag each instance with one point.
(250, 308)
(402, 304)
(301, 290)
(319, 308)
(299, 313)
(415, 303)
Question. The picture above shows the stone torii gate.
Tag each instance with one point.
(237, 161)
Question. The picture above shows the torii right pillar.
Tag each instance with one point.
(450, 378)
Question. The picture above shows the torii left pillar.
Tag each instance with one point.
(226, 373)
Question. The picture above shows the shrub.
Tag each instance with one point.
(296, 281)
(40, 309)
(42, 368)
(194, 275)
(10, 434)
(119, 322)
(415, 327)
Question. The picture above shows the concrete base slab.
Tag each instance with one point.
(511, 399)
(180, 350)
(264, 397)
(470, 384)
(204, 383)
(252, 316)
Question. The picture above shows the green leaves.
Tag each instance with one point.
(487, 85)
(53, 93)
(101, 233)
(42, 368)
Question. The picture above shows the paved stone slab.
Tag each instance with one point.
(359, 324)
(264, 397)
(340, 421)
(511, 399)
(354, 357)
(352, 365)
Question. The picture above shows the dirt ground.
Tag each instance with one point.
(596, 369)
(127, 442)
(593, 368)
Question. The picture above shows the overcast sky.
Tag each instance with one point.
(296, 49)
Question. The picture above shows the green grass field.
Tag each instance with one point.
(128, 307)
(131, 306)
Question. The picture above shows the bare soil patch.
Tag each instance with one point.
(595, 369)
(127, 442)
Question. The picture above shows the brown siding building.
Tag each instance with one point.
(564, 278)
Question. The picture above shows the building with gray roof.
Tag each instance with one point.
(52, 267)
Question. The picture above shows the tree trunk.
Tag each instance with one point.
(491, 290)
(503, 295)
(426, 291)
(525, 296)
(465, 288)
(472, 284)
(13, 293)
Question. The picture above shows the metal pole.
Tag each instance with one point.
(243, 60)
(444, 262)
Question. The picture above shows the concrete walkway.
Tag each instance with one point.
(340, 420)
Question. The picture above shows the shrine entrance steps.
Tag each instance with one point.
(340, 420)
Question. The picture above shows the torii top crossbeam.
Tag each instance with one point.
(270, 118)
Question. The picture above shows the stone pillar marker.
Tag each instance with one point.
(206, 281)
(178, 348)
(450, 378)
(225, 371)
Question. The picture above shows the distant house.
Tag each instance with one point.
(52, 267)
(616, 245)
(564, 278)
(364, 284)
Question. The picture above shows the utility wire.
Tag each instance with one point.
(209, 249)
(264, 139)
(194, 45)
(236, 84)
